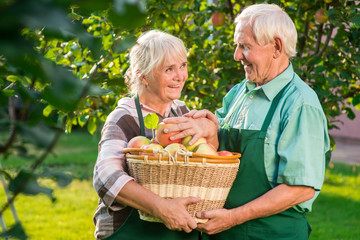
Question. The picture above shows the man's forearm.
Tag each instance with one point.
(274, 201)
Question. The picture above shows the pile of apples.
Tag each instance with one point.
(162, 141)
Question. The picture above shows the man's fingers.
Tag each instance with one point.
(194, 139)
(175, 120)
(200, 114)
(191, 113)
(203, 214)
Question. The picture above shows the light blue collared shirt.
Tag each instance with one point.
(297, 138)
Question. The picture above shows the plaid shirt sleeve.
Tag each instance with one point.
(110, 171)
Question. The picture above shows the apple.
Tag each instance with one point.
(217, 19)
(151, 146)
(173, 147)
(205, 148)
(185, 141)
(164, 138)
(320, 15)
(138, 141)
(225, 153)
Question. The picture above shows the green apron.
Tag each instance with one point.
(251, 182)
(136, 229)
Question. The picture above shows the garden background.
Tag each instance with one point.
(61, 73)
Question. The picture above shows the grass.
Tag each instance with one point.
(335, 213)
(70, 216)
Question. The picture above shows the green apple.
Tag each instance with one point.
(151, 146)
(205, 148)
(185, 141)
(172, 148)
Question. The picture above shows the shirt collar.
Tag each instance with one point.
(272, 88)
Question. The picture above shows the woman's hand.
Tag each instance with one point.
(174, 214)
(219, 220)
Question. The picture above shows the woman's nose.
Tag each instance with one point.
(179, 76)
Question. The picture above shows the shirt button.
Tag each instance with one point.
(251, 96)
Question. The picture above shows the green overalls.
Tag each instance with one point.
(136, 229)
(251, 182)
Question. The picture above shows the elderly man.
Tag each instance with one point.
(276, 121)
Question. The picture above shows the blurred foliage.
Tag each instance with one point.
(62, 63)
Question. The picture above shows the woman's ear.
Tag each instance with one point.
(142, 78)
(278, 47)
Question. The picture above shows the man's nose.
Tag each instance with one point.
(238, 54)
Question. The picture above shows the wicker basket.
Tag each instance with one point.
(187, 174)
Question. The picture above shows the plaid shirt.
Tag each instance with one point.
(110, 172)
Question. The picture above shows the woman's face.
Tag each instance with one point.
(168, 80)
(258, 61)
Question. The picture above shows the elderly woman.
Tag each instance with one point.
(276, 121)
(157, 73)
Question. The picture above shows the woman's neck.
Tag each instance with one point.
(154, 103)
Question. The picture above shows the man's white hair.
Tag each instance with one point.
(268, 21)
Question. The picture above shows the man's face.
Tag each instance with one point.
(258, 61)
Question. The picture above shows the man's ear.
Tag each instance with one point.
(278, 47)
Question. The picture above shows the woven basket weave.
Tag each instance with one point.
(187, 174)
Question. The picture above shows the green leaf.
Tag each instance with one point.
(40, 134)
(47, 110)
(356, 101)
(26, 182)
(66, 89)
(128, 14)
(151, 121)
(356, 19)
(61, 178)
(92, 125)
(16, 231)
(122, 45)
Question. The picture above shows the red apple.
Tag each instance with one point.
(320, 15)
(173, 147)
(151, 146)
(138, 141)
(164, 138)
(185, 141)
(205, 148)
(217, 19)
(225, 153)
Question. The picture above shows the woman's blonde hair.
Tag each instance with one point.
(268, 21)
(152, 49)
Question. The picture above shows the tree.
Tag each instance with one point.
(62, 65)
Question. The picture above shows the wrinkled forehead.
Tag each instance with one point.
(239, 31)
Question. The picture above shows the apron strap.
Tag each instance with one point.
(272, 109)
(140, 116)
(173, 111)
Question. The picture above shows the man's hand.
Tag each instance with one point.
(219, 220)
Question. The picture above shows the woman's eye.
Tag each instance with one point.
(184, 65)
(168, 70)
